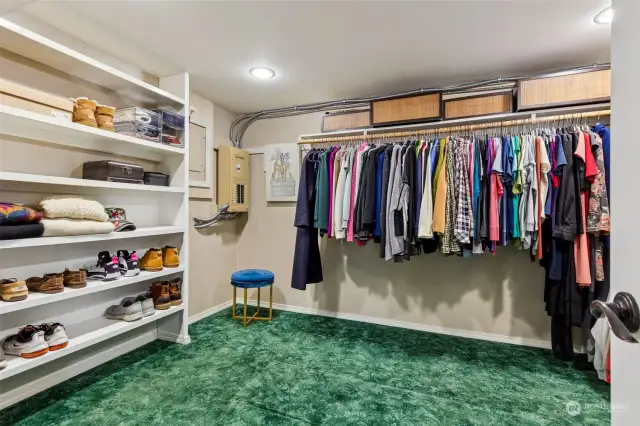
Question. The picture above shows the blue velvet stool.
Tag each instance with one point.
(252, 278)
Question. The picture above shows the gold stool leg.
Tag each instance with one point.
(270, 301)
(258, 310)
(233, 301)
(244, 317)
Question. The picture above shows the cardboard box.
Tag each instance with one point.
(23, 97)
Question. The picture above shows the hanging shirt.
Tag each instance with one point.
(377, 232)
(418, 190)
(386, 172)
(341, 160)
(464, 213)
(598, 215)
(425, 222)
(307, 264)
(496, 189)
(528, 203)
(354, 185)
(332, 184)
(515, 195)
(449, 242)
(393, 243)
(322, 199)
(583, 268)
(440, 197)
(346, 201)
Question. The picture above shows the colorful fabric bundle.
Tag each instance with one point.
(15, 214)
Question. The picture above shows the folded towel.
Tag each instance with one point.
(72, 208)
(15, 214)
(14, 232)
(62, 227)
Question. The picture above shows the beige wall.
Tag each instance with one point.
(212, 251)
(500, 295)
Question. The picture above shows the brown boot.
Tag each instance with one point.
(160, 294)
(174, 291)
(75, 279)
(49, 283)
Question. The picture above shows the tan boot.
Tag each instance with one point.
(170, 257)
(151, 261)
(84, 112)
(104, 117)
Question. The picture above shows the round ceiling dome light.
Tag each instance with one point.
(262, 73)
(604, 17)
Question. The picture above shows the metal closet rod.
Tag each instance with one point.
(242, 123)
(463, 128)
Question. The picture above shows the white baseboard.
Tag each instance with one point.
(202, 315)
(410, 325)
(174, 338)
(33, 387)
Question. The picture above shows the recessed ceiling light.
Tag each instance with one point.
(604, 17)
(263, 73)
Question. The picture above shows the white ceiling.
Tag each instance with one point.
(333, 50)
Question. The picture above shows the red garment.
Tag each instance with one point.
(591, 170)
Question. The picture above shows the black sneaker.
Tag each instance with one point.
(106, 269)
(128, 263)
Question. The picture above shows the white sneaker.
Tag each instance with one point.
(55, 335)
(28, 343)
(128, 263)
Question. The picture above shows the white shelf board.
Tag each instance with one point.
(84, 183)
(81, 336)
(24, 42)
(31, 125)
(76, 239)
(37, 299)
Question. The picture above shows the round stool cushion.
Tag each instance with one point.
(252, 278)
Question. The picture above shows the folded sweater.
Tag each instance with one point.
(14, 232)
(63, 227)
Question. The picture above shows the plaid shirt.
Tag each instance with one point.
(449, 243)
(464, 217)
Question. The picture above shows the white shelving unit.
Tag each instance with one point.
(160, 214)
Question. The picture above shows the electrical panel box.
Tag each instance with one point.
(233, 178)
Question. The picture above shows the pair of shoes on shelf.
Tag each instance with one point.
(161, 295)
(166, 294)
(155, 259)
(131, 308)
(111, 267)
(56, 282)
(33, 341)
(90, 113)
(12, 290)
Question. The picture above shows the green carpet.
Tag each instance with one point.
(303, 369)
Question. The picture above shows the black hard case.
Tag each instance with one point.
(155, 178)
(113, 171)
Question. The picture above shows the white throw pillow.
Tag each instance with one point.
(73, 208)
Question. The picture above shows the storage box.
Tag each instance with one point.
(155, 178)
(113, 171)
(172, 128)
(139, 130)
(480, 104)
(408, 109)
(346, 120)
(23, 97)
(137, 115)
(576, 88)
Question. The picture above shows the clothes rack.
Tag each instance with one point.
(454, 129)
